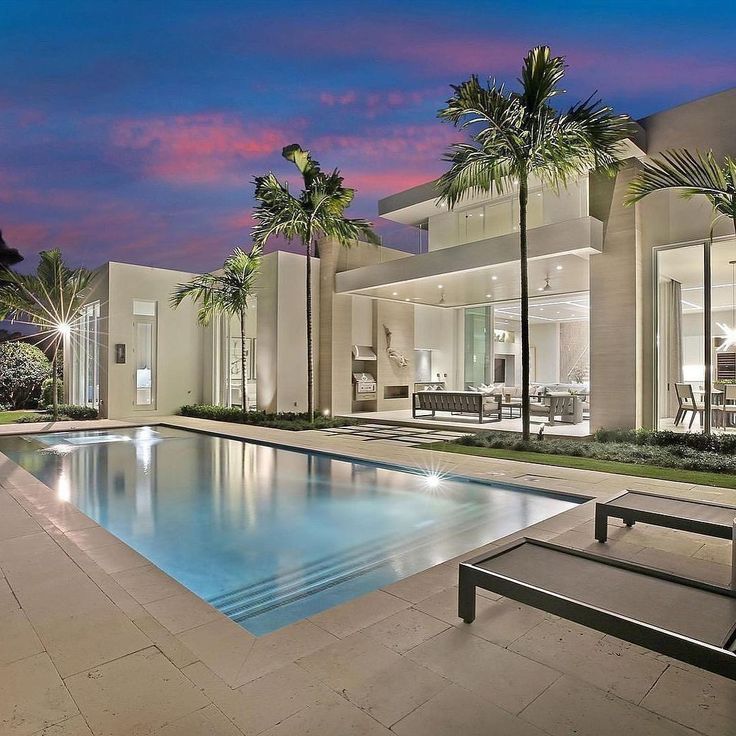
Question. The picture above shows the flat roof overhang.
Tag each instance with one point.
(580, 237)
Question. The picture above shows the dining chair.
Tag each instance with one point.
(686, 403)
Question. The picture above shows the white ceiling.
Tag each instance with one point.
(492, 284)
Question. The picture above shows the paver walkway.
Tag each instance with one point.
(96, 640)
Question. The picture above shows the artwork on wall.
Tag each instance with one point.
(393, 354)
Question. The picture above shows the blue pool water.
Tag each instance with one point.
(270, 535)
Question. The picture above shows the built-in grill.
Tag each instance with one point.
(364, 386)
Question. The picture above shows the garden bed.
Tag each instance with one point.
(688, 458)
(283, 420)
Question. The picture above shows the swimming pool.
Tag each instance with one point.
(271, 535)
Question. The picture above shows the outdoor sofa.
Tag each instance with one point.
(456, 402)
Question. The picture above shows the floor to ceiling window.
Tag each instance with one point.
(684, 308)
(144, 353)
(85, 341)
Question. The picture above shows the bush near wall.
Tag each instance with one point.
(664, 449)
(282, 420)
(23, 369)
(67, 412)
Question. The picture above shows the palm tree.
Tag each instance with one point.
(518, 135)
(51, 299)
(8, 256)
(317, 212)
(225, 293)
(691, 174)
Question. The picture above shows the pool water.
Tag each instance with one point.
(270, 535)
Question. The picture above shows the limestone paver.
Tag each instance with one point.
(148, 584)
(222, 645)
(334, 718)
(18, 640)
(209, 721)
(700, 700)
(32, 696)
(505, 678)
(501, 621)
(571, 706)
(136, 694)
(606, 662)
(75, 726)
(405, 630)
(265, 701)
(182, 611)
(455, 711)
(358, 613)
(45, 571)
(379, 681)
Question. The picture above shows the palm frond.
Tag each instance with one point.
(690, 174)
(541, 75)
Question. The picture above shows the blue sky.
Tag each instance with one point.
(132, 130)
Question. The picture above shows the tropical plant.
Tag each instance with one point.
(690, 174)
(8, 256)
(226, 293)
(318, 211)
(23, 370)
(515, 136)
(50, 299)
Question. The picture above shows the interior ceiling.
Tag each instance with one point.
(543, 309)
(686, 266)
(492, 284)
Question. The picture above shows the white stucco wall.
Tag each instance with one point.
(179, 353)
(435, 330)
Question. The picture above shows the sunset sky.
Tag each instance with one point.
(132, 130)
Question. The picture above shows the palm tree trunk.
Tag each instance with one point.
(310, 355)
(524, 267)
(243, 376)
(54, 388)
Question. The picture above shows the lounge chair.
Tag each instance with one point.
(456, 402)
(689, 620)
(700, 517)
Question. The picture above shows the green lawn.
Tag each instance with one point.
(721, 480)
(9, 417)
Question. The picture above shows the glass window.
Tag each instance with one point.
(85, 343)
(144, 353)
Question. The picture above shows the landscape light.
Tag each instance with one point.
(64, 329)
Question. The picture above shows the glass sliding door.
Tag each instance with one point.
(144, 353)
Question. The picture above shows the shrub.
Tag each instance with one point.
(639, 448)
(47, 391)
(23, 369)
(67, 412)
(720, 443)
(282, 420)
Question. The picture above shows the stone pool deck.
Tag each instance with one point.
(96, 640)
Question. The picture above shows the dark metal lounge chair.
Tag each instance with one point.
(456, 402)
(700, 517)
(689, 620)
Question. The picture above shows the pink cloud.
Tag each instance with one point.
(373, 103)
(198, 149)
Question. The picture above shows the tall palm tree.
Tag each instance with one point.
(51, 299)
(518, 135)
(691, 175)
(318, 211)
(225, 293)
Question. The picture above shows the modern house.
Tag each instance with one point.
(620, 302)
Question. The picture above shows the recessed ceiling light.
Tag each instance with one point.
(407, 299)
(540, 288)
(439, 286)
(558, 268)
(395, 293)
(494, 278)
(480, 215)
(488, 296)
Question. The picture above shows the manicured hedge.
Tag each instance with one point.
(639, 449)
(66, 412)
(282, 420)
(721, 443)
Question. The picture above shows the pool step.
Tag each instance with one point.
(296, 584)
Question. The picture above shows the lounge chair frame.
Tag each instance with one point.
(673, 644)
(606, 509)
